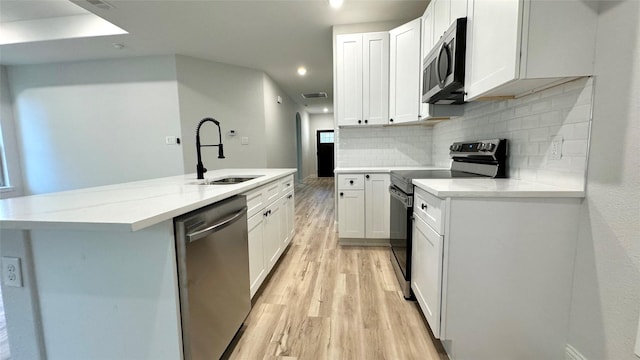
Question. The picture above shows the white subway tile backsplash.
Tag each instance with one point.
(384, 146)
(529, 123)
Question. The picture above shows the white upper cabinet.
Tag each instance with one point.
(404, 72)
(458, 10)
(517, 47)
(349, 79)
(441, 18)
(362, 79)
(375, 72)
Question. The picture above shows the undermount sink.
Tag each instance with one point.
(230, 180)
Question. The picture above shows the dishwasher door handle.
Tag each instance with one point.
(217, 227)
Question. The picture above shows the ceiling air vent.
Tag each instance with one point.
(315, 95)
(101, 4)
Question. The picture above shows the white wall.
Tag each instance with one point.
(529, 123)
(8, 141)
(230, 94)
(307, 149)
(606, 291)
(92, 123)
(280, 126)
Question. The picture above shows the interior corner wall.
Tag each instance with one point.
(92, 123)
(307, 147)
(8, 142)
(280, 126)
(234, 96)
(606, 290)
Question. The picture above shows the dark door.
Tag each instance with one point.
(324, 140)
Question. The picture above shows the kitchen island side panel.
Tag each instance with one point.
(108, 295)
(508, 275)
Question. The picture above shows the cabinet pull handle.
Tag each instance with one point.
(423, 206)
(351, 182)
(289, 197)
(359, 121)
(367, 176)
(341, 194)
(366, 121)
(390, 120)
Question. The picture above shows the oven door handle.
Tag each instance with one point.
(406, 200)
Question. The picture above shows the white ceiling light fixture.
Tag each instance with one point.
(325, 109)
(336, 3)
(302, 71)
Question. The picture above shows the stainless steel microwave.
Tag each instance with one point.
(443, 68)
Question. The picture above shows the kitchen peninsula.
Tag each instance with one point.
(99, 275)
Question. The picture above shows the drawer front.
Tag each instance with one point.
(350, 181)
(430, 209)
(255, 201)
(286, 185)
(271, 192)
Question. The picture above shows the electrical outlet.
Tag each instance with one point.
(245, 140)
(11, 271)
(555, 150)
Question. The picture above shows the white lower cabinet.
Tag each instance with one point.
(270, 228)
(426, 272)
(351, 213)
(363, 206)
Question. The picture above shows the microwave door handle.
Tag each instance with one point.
(438, 59)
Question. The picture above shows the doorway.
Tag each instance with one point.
(324, 146)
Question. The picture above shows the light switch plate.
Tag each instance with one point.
(11, 271)
(245, 140)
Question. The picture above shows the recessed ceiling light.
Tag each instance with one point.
(302, 70)
(335, 3)
(325, 110)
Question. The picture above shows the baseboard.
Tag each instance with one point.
(570, 353)
(363, 242)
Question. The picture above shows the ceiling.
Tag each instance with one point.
(274, 36)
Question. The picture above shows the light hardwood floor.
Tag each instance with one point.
(326, 301)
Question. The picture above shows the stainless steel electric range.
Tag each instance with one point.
(483, 158)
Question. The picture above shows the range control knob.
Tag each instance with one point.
(458, 147)
(489, 147)
(481, 147)
(452, 148)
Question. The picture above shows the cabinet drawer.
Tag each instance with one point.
(286, 185)
(271, 192)
(350, 181)
(430, 209)
(255, 201)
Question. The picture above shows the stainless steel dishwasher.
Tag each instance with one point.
(213, 276)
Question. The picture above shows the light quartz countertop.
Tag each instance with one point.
(129, 206)
(383, 169)
(485, 187)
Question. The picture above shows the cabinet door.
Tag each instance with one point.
(349, 78)
(351, 213)
(377, 205)
(257, 269)
(441, 18)
(272, 235)
(426, 276)
(284, 222)
(458, 9)
(404, 72)
(493, 45)
(375, 78)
